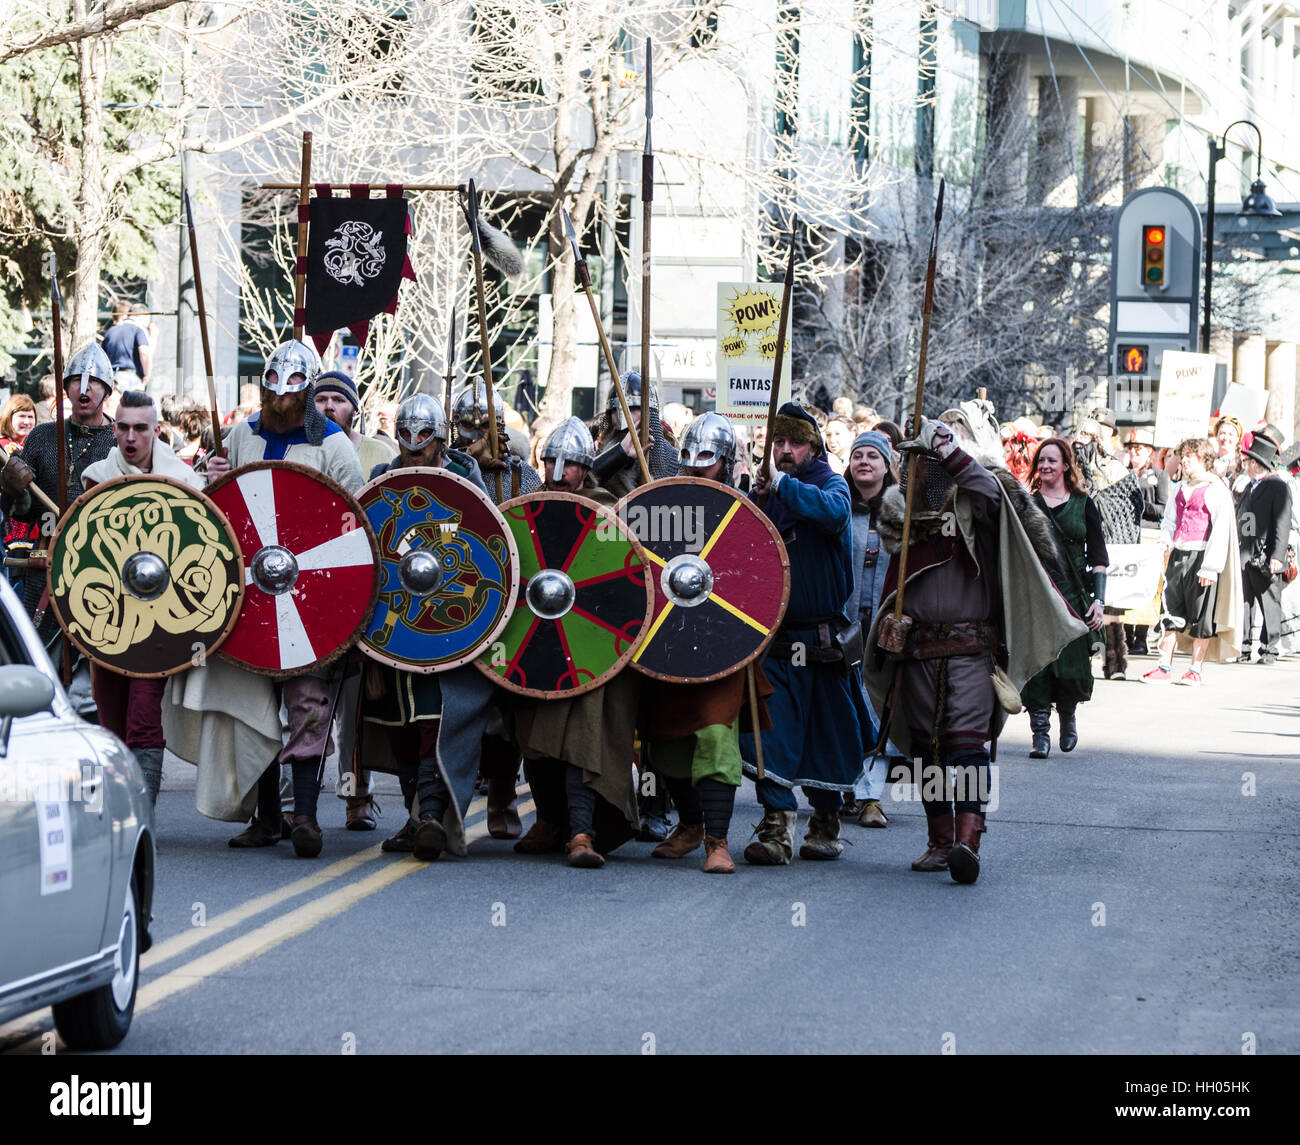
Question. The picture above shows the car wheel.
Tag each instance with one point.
(100, 1018)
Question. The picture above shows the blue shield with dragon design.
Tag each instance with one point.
(449, 570)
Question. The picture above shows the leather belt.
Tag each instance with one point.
(934, 641)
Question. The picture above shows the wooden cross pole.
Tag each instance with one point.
(219, 447)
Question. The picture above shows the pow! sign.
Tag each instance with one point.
(748, 318)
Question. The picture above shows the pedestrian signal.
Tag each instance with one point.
(1153, 256)
(1132, 359)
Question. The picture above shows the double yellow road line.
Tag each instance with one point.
(265, 937)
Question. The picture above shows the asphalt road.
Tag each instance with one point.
(1148, 824)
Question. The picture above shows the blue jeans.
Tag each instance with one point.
(774, 797)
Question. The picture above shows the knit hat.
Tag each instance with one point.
(796, 424)
(877, 440)
(339, 383)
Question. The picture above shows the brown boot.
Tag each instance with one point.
(256, 834)
(774, 846)
(583, 854)
(360, 814)
(542, 839)
(940, 844)
(964, 858)
(686, 837)
(503, 822)
(717, 859)
(307, 837)
(822, 839)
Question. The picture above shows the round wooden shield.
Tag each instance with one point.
(583, 600)
(311, 575)
(721, 578)
(449, 569)
(145, 575)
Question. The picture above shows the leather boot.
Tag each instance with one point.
(430, 840)
(583, 854)
(1040, 724)
(542, 839)
(1121, 652)
(307, 838)
(717, 859)
(500, 763)
(964, 858)
(1069, 733)
(360, 815)
(256, 834)
(822, 839)
(774, 846)
(686, 837)
(940, 842)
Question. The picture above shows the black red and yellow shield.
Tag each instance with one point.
(583, 600)
(145, 575)
(721, 578)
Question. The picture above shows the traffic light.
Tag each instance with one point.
(1131, 359)
(1153, 255)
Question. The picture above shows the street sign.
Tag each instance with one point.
(1154, 296)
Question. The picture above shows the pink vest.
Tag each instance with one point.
(1193, 520)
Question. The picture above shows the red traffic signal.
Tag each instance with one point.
(1132, 359)
(1153, 256)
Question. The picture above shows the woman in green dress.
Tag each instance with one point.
(1057, 487)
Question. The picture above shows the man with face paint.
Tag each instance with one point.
(427, 727)
(131, 707)
(578, 752)
(691, 732)
(89, 436)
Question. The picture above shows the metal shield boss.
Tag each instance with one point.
(449, 569)
(145, 575)
(311, 574)
(583, 602)
(721, 578)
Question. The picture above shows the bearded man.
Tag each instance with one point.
(821, 726)
(469, 412)
(288, 427)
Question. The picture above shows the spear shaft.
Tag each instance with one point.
(647, 200)
(778, 360)
(56, 308)
(219, 447)
(476, 248)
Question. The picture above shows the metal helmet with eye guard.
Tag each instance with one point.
(569, 441)
(419, 420)
(707, 439)
(89, 364)
(287, 360)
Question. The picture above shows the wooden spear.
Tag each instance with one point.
(304, 199)
(219, 446)
(647, 200)
(56, 317)
(892, 636)
(778, 361)
(476, 247)
(583, 275)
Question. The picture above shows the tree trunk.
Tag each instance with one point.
(557, 400)
(90, 221)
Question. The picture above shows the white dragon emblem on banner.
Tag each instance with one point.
(354, 254)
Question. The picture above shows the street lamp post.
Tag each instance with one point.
(1256, 204)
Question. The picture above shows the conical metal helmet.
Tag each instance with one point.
(88, 364)
(469, 411)
(419, 419)
(569, 441)
(707, 439)
(287, 359)
(632, 387)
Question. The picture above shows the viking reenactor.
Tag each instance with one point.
(821, 726)
(131, 706)
(336, 397)
(88, 380)
(615, 466)
(469, 413)
(578, 751)
(691, 731)
(980, 618)
(289, 427)
(432, 723)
